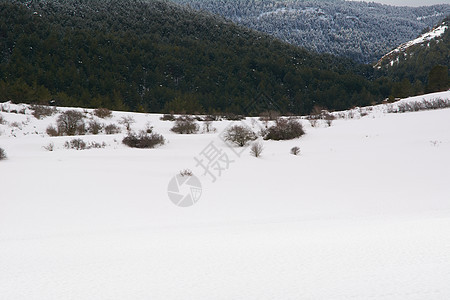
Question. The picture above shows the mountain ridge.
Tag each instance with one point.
(359, 30)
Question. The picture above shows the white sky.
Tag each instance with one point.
(410, 2)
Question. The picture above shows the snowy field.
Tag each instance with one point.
(362, 213)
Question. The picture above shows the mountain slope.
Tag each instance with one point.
(156, 56)
(421, 65)
(358, 30)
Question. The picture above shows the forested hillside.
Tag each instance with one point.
(155, 56)
(420, 65)
(359, 30)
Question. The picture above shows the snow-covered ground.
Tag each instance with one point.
(362, 213)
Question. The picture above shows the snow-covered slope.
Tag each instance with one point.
(362, 213)
(393, 56)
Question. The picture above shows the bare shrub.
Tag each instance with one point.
(256, 149)
(96, 145)
(77, 144)
(233, 117)
(112, 129)
(16, 125)
(207, 127)
(239, 135)
(329, 119)
(267, 116)
(52, 131)
(102, 113)
(168, 117)
(50, 147)
(42, 111)
(95, 127)
(314, 122)
(2, 120)
(2, 154)
(186, 172)
(143, 140)
(285, 129)
(185, 125)
(295, 150)
(214, 117)
(71, 122)
(81, 129)
(127, 121)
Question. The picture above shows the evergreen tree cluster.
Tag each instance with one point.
(363, 31)
(421, 68)
(159, 57)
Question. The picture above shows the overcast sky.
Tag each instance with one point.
(410, 2)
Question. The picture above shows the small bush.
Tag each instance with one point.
(239, 135)
(233, 117)
(329, 119)
(185, 125)
(207, 127)
(143, 140)
(314, 122)
(186, 172)
(16, 125)
(2, 120)
(96, 145)
(102, 113)
(2, 154)
(127, 121)
(95, 127)
(112, 129)
(52, 131)
(295, 150)
(168, 117)
(256, 149)
(50, 147)
(285, 129)
(70, 123)
(77, 144)
(42, 111)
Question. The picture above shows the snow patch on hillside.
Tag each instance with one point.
(392, 56)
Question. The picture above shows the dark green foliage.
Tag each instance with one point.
(438, 79)
(285, 129)
(143, 140)
(360, 30)
(154, 56)
(421, 68)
